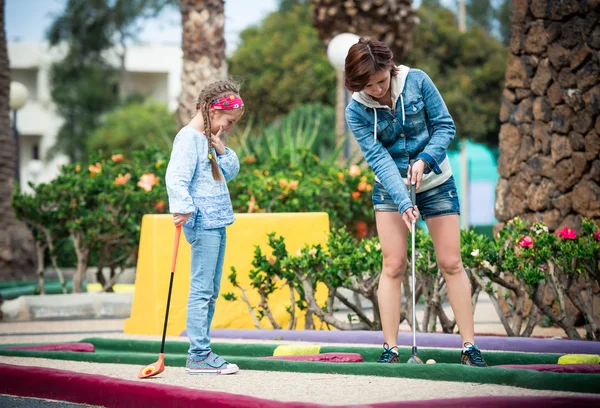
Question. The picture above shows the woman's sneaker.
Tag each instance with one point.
(389, 355)
(471, 356)
(212, 364)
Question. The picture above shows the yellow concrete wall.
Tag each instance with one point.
(154, 262)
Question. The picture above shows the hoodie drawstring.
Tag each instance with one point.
(402, 107)
(375, 126)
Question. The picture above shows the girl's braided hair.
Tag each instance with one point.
(207, 96)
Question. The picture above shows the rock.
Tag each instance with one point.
(574, 99)
(507, 111)
(563, 203)
(509, 145)
(516, 72)
(561, 119)
(518, 11)
(582, 122)
(588, 75)
(507, 94)
(554, 94)
(592, 146)
(522, 93)
(536, 39)
(540, 196)
(542, 78)
(577, 141)
(597, 125)
(586, 199)
(524, 112)
(572, 221)
(541, 136)
(594, 38)
(595, 171)
(553, 31)
(542, 109)
(572, 32)
(579, 56)
(507, 205)
(566, 78)
(592, 100)
(560, 147)
(527, 148)
(524, 129)
(552, 219)
(519, 185)
(542, 165)
(517, 37)
(558, 55)
(555, 10)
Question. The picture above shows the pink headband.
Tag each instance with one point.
(233, 101)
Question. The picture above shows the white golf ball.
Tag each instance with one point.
(430, 361)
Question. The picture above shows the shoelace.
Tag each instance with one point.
(387, 353)
(474, 353)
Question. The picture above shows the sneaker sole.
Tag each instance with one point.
(225, 371)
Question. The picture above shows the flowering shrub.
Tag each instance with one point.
(99, 207)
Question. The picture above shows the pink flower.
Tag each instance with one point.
(597, 235)
(119, 181)
(293, 184)
(567, 233)
(354, 170)
(160, 206)
(95, 169)
(117, 158)
(526, 242)
(147, 181)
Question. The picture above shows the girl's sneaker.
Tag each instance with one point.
(389, 355)
(212, 364)
(471, 355)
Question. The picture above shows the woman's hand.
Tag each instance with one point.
(415, 173)
(180, 219)
(218, 143)
(410, 215)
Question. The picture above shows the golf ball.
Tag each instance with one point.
(430, 361)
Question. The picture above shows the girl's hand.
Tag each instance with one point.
(415, 172)
(180, 219)
(218, 143)
(410, 215)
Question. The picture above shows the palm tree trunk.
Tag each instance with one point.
(17, 251)
(203, 46)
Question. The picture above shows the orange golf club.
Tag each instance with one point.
(159, 366)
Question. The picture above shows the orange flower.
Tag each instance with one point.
(362, 186)
(361, 229)
(117, 158)
(340, 176)
(293, 185)
(160, 206)
(283, 183)
(95, 169)
(122, 179)
(251, 204)
(369, 187)
(272, 260)
(78, 168)
(249, 159)
(363, 179)
(356, 195)
(354, 170)
(147, 181)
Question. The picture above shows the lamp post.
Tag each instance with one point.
(18, 98)
(337, 50)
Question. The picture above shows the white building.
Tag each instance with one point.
(154, 70)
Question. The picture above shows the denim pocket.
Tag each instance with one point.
(190, 234)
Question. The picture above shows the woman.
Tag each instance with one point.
(397, 115)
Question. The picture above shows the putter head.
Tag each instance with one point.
(414, 359)
(153, 369)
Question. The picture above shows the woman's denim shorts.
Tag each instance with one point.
(440, 200)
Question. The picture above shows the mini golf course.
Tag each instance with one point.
(524, 368)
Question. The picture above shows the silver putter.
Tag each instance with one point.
(414, 359)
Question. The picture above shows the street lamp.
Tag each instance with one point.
(337, 50)
(18, 97)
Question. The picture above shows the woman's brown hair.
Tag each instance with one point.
(364, 59)
(213, 91)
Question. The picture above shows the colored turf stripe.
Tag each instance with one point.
(107, 391)
(439, 372)
(448, 356)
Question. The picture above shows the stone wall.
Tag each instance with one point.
(549, 161)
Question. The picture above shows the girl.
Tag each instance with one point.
(397, 115)
(197, 173)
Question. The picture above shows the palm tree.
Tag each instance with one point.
(17, 253)
(203, 46)
(390, 21)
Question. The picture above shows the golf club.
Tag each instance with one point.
(414, 359)
(159, 366)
